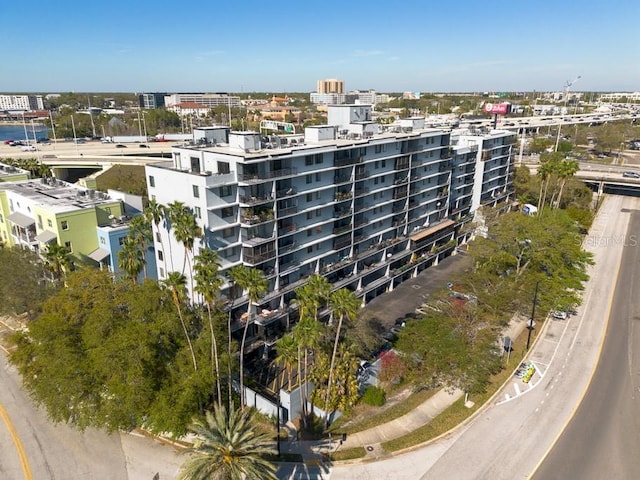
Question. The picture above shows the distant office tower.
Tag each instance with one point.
(330, 85)
(151, 100)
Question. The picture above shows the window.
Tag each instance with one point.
(107, 209)
(152, 181)
(378, 149)
(381, 179)
(225, 191)
(319, 212)
(308, 160)
(196, 191)
(50, 223)
(308, 178)
(161, 272)
(195, 164)
(160, 255)
(309, 197)
(226, 212)
(40, 222)
(383, 163)
(121, 241)
(64, 225)
(228, 232)
(318, 177)
(158, 239)
(197, 212)
(309, 233)
(309, 215)
(310, 249)
(223, 167)
(68, 245)
(1, 218)
(319, 158)
(102, 241)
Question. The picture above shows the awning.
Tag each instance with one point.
(99, 254)
(432, 230)
(21, 220)
(46, 236)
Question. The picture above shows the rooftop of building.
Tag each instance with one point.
(57, 195)
(11, 171)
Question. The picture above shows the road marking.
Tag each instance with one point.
(22, 455)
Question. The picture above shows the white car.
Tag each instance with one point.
(560, 315)
(29, 148)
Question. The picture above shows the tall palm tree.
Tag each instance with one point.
(57, 260)
(288, 356)
(345, 305)
(131, 258)
(176, 283)
(253, 281)
(307, 334)
(228, 447)
(155, 213)
(140, 233)
(173, 212)
(317, 290)
(566, 169)
(186, 230)
(208, 283)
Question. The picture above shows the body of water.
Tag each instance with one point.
(17, 132)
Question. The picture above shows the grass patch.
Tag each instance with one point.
(457, 412)
(365, 417)
(348, 454)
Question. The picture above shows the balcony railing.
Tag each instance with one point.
(253, 200)
(343, 162)
(286, 192)
(341, 229)
(283, 212)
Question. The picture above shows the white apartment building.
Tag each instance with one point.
(23, 103)
(367, 206)
(210, 100)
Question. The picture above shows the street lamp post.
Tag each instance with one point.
(531, 325)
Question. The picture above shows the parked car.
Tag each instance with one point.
(29, 148)
(560, 315)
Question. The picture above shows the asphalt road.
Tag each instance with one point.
(603, 438)
(34, 448)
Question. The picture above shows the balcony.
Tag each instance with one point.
(251, 218)
(343, 162)
(362, 175)
(360, 222)
(342, 212)
(288, 228)
(283, 212)
(259, 257)
(266, 316)
(340, 243)
(342, 196)
(286, 192)
(288, 247)
(341, 179)
(342, 229)
(255, 200)
(361, 191)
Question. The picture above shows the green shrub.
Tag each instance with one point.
(374, 396)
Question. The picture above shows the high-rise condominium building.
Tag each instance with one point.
(330, 85)
(367, 206)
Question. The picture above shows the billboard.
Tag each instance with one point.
(496, 108)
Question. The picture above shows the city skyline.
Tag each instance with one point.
(254, 46)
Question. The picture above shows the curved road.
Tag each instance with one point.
(603, 438)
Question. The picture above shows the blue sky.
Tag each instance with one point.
(274, 46)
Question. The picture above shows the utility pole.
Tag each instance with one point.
(566, 97)
(533, 312)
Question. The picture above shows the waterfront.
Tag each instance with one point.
(20, 131)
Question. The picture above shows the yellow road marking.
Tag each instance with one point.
(24, 461)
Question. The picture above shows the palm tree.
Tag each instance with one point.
(155, 213)
(173, 212)
(140, 233)
(566, 169)
(255, 283)
(131, 259)
(208, 284)
(186, 230)
(228, 448)
(288, 356)
(345, 305)
(307, 334)
(317, 291)
(176, 283)
(57, 259)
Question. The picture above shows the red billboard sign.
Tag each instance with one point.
(496, 108)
